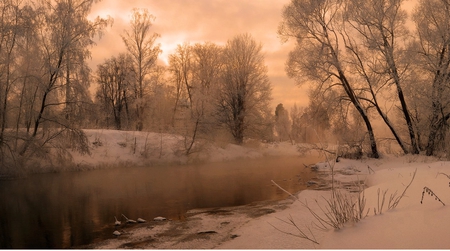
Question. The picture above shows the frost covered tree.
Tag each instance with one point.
(377, 38)
(432, 19)
(318, 56)
(195, 73)
(206, 67)
(298, 123)
(115, 78)
(10, 33)
(245, 91)
(63, 36)
(180, 66)
(282, 123)
(141, 44)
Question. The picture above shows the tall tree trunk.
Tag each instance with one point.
(389, 55)
(362, 113)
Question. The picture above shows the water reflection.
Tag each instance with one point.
(68, 209)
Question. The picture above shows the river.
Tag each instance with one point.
(62, 210)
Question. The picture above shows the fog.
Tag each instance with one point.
(72, 209)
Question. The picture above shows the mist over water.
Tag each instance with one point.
(69, 209)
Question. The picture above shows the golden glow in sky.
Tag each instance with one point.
(193, 21)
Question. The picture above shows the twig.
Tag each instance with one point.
(301, 234)
(397, 200)
(448, 176)
(295, 198)
(380, 209)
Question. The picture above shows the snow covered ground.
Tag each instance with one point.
(411, 224)
(113, 147)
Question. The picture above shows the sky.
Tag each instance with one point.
(180, 21)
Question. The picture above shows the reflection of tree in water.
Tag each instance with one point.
(44, 212)
(72, 209)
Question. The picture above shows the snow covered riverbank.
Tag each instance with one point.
(411, 224)
(112, 147)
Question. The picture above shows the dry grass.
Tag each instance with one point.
(432, 194)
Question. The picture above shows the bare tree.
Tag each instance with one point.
(206, 67)
(115, 77)
(317, 28)
(75, 26)
(140, 43)
(432, 19)
(245, 90)
(161, 100)
(282, 123)
(10, 30)
(55, 43)
(382, 59)
(180, 65)
(195, 74)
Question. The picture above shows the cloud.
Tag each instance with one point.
(179, 21)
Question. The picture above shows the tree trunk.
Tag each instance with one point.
(436, 126)
(389, 124)
(362, 113)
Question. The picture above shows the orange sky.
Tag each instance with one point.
(179, 21)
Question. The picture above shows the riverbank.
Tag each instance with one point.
(113, 147)
(204, 228)
(418, 221)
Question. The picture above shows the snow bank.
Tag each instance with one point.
(113, 147)
(410, 225)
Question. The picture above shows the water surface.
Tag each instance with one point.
(75, 208)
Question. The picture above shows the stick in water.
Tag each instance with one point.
(284, 190)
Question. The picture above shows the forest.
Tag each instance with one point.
(369, 64)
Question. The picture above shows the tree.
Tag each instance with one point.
(206, 65)
(282, 123)
(115, 77)
(58, 35)
(10, 29)
(79, 31)
(195, 74)
(141, 45)
(245, 91)
(318, 56)
(298, 123)
(180, 66)
(382, 60)
(432, 19)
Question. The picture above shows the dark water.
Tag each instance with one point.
(70, 209)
